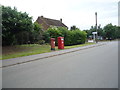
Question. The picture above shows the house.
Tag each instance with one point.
(46, 22)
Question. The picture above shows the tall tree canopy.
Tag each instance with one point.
(111, 31)
(16, 26)
(107, 32)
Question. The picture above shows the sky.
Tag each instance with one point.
(119, 14)
(80, 13)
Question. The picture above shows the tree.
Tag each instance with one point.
(16, 26)
(37, 33)
(89, 32)
(110, 30)
(118, 32)
(73, 28)
(100, 31)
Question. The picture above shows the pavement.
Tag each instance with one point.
(25, 59)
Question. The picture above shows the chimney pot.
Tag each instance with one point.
(61, 19)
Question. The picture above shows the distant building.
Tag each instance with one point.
(46, 22)
(119, 13)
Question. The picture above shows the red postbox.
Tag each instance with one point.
(60, 42)
(52, 43)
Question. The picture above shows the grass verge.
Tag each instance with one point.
(31, 49)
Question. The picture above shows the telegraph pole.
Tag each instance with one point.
(96, 25)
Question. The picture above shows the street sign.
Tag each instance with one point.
(94, 32)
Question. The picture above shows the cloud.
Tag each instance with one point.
(74, 12)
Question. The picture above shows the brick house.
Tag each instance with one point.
(46, 22)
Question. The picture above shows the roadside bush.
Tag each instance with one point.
(41, 42)
(51, 33)
(76, 37)
(72, 37)
(68, 38)
(46, 37)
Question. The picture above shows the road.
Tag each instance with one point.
(95, 67)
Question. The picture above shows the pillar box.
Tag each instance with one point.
(52, 43)
(60, 42)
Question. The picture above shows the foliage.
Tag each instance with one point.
(118, 32)
(70, 37)
(109, 31)
(73, 27)
(17, 28)
(51, 33)
(41, 42)
(37, 33)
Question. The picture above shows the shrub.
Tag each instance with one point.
(51, 33)
(41, 42)
(71, 37)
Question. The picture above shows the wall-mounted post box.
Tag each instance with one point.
(52, 43)
(60, 42)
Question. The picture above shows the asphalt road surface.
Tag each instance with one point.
(95, 67)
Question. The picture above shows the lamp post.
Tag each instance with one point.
(96, 25)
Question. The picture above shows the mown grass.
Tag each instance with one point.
(74, 46)
(30, 49)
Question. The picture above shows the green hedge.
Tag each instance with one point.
(73, 37)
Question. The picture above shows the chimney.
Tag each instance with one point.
(61, 19)
(41, 16)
